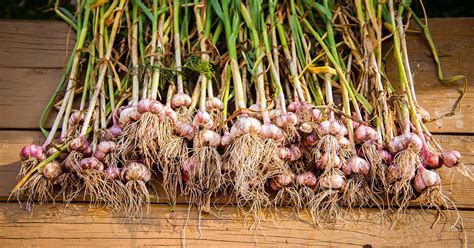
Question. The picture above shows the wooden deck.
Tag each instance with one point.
(32, 55)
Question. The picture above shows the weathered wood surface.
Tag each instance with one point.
(32, 57)
(454, 37)
(24, 93)
(80, 226)
(34, 44)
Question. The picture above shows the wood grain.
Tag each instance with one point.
(35, 44)
(459, 187)
(79, 225)
(32, 57)
(454, 38)
(24, 93)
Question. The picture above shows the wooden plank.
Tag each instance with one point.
(24, 93)
(454, 38)
(80, 226)
(40, 44)
(459, 187)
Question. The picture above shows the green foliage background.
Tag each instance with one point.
(43, 9)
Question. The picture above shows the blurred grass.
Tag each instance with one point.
(31, 9)
(43, 9)
(445, 8)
